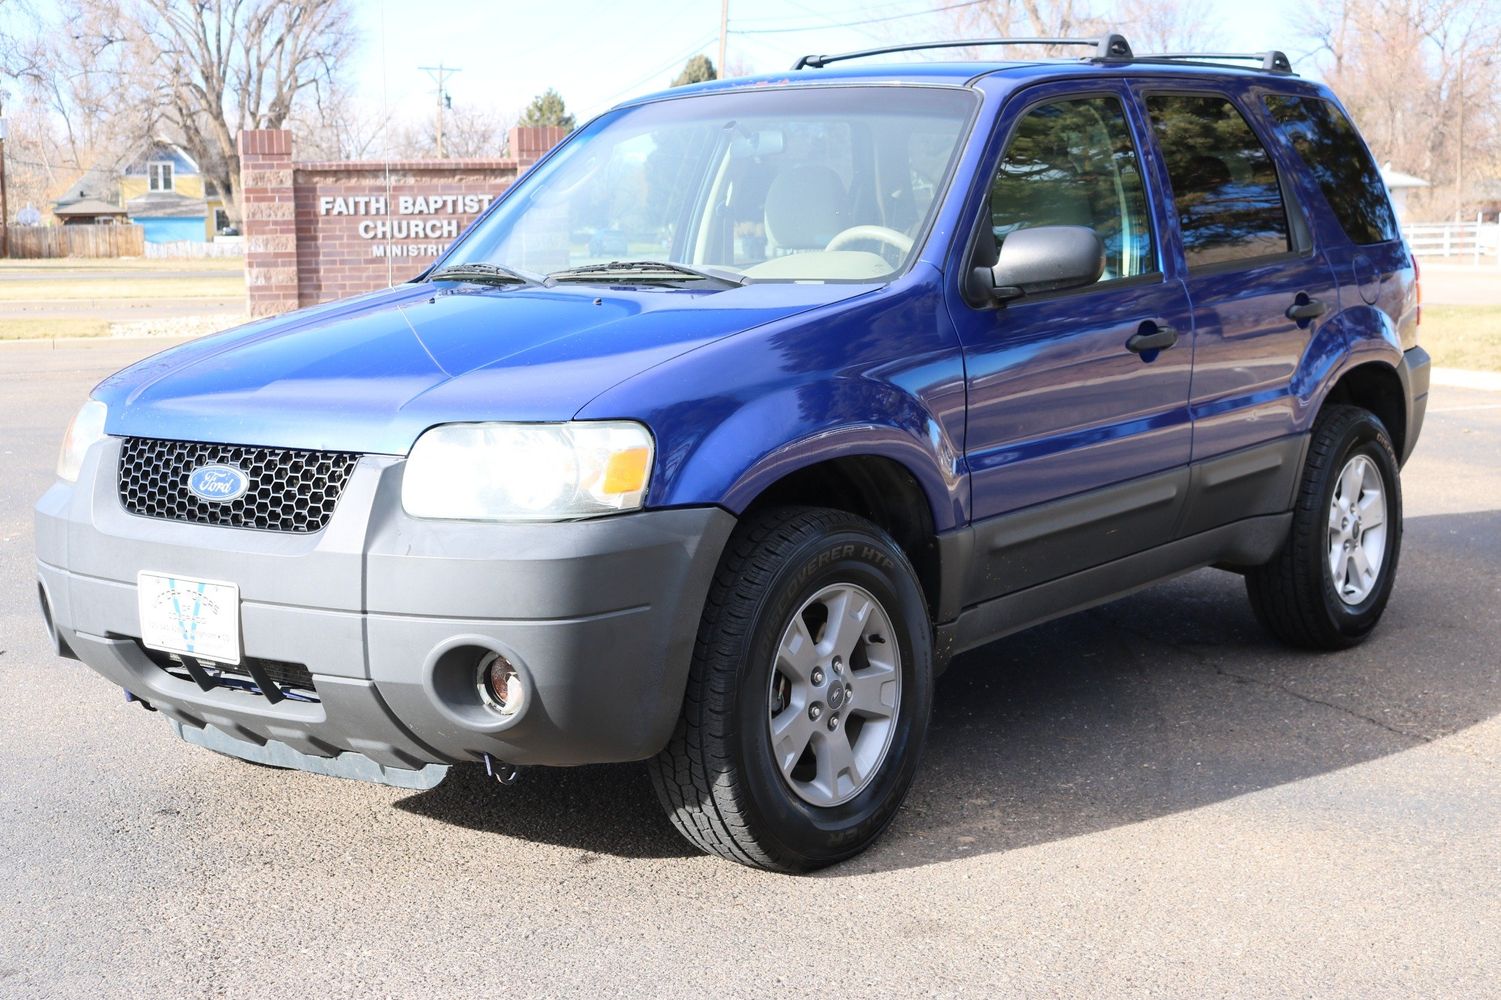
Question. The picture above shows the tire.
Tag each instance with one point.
(719, 778)
(1299, 596)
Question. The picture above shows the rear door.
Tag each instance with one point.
(1260, 285)
(1077, 447)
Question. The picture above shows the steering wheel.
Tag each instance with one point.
(898, 241)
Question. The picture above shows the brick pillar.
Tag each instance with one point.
(529, 143)
(270, 220)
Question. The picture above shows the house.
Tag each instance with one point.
(92, 198)
(1400, 185)
(84, 211)
(164, 192)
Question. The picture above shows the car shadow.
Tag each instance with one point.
(1161, 702)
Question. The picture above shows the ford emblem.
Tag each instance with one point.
(218, 483)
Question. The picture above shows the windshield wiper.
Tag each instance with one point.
(479, 271)
(644, 270)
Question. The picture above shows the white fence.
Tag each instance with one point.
(231, 246)
(1472, 241)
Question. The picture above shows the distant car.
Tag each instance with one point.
(934, 352)
(608, 243)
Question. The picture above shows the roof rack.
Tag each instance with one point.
(1108, 48)
(1272, 61)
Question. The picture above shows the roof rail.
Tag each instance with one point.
(1272, 61)
(1108, 48)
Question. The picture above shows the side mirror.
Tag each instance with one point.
(1044, 259)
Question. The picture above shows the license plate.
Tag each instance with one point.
(198, 618)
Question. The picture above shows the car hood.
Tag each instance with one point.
(370, 374)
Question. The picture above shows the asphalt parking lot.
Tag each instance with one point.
(1150, 798)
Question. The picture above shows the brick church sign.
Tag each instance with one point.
(317, 231)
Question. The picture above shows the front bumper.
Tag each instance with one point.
(388, 613)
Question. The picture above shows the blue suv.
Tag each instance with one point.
(748, 408)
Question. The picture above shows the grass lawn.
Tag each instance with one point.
(69, 287)
(1463, 336)
(64, 326)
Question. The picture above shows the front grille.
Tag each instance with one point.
(289, 490)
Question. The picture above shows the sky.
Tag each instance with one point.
(598, 52)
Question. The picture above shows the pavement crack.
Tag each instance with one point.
(1310, 699)
(1205, 660)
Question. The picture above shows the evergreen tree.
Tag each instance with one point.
(547, 108)
(697, 70)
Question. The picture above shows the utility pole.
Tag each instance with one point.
(439, 73)
(724, 35)
(4, 205)
(1459, 153)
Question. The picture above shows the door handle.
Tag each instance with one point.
(1152, 337)
(1304, 308)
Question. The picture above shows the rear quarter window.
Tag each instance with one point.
(1332, 150)
(1225, 185)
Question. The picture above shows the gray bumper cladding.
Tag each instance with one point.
(389, 617)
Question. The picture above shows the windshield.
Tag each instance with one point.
(817, 184)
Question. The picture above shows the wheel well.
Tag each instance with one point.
(878, 489)
(1377, 388)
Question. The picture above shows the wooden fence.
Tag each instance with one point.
(1475, 240)
(29, 242)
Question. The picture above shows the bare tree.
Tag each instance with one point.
(1421, 78)
(66, 116)
(1151, 25)
(468, 133)
(335, 125)
(1023, 19)
(1169, 25)
(209, 68)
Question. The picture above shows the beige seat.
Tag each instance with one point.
(805, 209)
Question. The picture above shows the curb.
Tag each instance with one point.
(1464, 378)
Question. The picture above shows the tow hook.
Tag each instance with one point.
(502, 772)
(131, 696)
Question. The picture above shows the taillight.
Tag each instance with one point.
(1417, 290)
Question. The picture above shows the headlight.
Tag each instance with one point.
(527, 472)
(86, 428)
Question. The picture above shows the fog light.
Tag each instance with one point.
(499, 685)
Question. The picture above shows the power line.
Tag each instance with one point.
(631, 88)
(853, 24)
(830, 14)
(834, 19)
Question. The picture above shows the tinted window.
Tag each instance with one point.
(1072, 163)
(1342, 165)
(1225, 185)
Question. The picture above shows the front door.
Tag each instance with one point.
(1077, 446)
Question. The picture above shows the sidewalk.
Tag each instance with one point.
(1463, 378)
(1447, 284)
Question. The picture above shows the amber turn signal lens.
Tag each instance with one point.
(626, 471)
